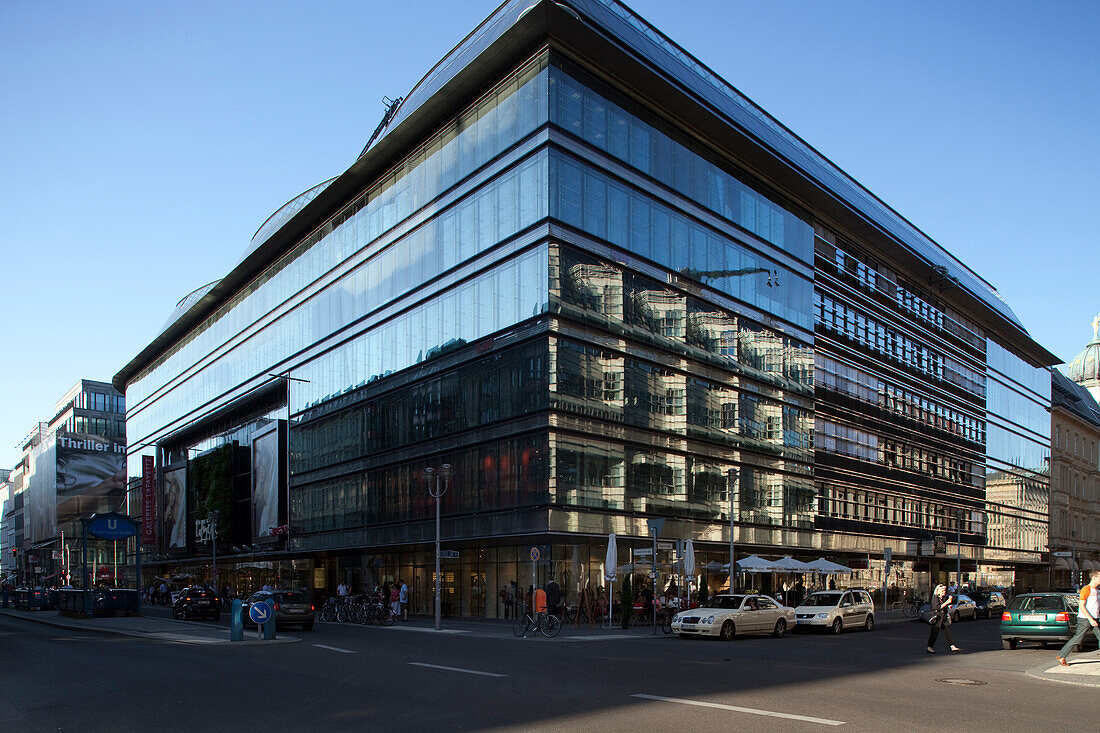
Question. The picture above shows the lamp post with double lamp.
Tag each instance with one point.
(1073, 571)
(442, 481)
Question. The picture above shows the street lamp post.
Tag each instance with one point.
(443, 478)
(1073, 559)
(735, 476)
(960, 516)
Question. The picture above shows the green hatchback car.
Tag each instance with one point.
(1042, 617)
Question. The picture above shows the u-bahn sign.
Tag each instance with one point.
(111, 526)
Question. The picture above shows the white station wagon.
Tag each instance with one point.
(835, 611)
(726, 616)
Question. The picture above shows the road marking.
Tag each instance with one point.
(334, 648)
(601, 637)
(734, 708)
(457, 669)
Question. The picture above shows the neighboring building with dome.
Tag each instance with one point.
(1075, 466)
(1085, 368)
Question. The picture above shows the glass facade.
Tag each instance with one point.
(595, 319)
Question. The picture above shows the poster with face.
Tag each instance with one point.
(91, 475)
(175, 509)
(265, 484)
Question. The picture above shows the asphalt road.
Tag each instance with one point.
(346, 677)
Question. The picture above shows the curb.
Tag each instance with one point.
(163, 636)
(1040, 673)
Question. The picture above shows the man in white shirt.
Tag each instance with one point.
(341, 592)
(1088, 617)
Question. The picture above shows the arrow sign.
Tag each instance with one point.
(260, 613)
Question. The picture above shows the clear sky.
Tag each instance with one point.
(143, 143)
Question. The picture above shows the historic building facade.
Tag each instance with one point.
(604, 287)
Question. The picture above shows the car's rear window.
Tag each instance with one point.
(290, 598)
(1037, 603)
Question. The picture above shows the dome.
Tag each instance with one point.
(283, 215)
(186, 302)
(1085, 367)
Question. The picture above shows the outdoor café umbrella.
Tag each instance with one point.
(689, 566)
(789, 565)
(609, 573)
(825, 567)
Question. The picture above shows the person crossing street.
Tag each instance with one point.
(1088, 617)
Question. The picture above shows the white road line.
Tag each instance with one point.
(734, 708)
(457, 669)
(334, 648)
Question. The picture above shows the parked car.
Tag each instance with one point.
(835, 610)
(729, 615)
(1043, 617)
(990, 603)
(291, 608)
(963, 607)
(196, 601)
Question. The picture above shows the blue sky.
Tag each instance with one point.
(142, 144)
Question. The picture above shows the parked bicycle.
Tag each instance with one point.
(913, 607)
(328, 611)
(379, 613)
(527, 620)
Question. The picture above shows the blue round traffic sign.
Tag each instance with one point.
(260, 613)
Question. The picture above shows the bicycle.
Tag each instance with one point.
(913, 607)
(328, 611)
(547, 623)
(379, 613)
(664, 620)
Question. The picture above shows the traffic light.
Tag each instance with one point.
(14, 551)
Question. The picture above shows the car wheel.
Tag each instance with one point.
(837, 626)
(1009, 643)
(780, 628)
(728, 631)
(955, 617)
(869, 624)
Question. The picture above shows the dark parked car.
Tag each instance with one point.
(990, 603)
(291, 608)
(196, 602)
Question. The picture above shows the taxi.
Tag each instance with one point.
(732, 614)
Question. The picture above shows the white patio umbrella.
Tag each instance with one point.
(789, 565)
(825, 567)
(610, 572)
(753, 564)
(689, 566)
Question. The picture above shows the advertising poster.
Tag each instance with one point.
(91, 475)
(265, 484)
(148, 501)
(41, 496)
(175, 509)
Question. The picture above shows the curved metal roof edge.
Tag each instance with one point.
(444, 87)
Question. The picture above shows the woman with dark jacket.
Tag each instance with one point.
(941, 618)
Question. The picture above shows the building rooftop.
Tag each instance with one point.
(1072, 397)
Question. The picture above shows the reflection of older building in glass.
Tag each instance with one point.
(572, 289)
(1075, 469)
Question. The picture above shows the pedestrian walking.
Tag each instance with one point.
(941, 618)
(395, 602)
(1088, 617)
(553, 596)
(403, 599)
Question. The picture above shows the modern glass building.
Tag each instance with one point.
(605, 287)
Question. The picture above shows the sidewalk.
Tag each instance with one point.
(1083, 669)
(144, 627)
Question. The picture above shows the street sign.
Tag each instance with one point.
(653, 573)
(448, 554)
(1062, 554)
(655, 525)
(534, 554)
(643, 551)
(111, 526)
(888, 554)
(666, 545)
(56, 554)
(260, 613)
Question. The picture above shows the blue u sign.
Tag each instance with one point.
(260, 613)
(112, 526)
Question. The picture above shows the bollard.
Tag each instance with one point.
(269, 627)
(5, 598)
(236, 622)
